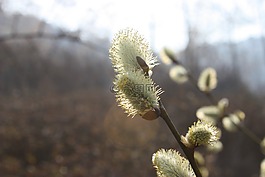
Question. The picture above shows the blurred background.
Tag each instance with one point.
(58, 117)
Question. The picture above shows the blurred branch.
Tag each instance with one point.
(194, 83)
(61, 35)
(247, 132)
(39, 34)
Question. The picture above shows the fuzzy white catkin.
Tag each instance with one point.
(133, 60)
(202, 133)
(125, 47)
(169, 163)
(135, 93)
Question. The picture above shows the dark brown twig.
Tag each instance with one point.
(187, 151)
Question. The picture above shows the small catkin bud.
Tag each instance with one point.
(209, 114)
(179, 74)
(167, 56)
(240, 114)
(230, 122)
(202, 133)
(169, 163)
(223, 104)
(143, 65)
(204, 171)
(152, 114)
(199, 158)
(207, 80)
(216, 147)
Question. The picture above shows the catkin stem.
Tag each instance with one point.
(187, 151)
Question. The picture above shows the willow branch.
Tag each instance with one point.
(187, 151)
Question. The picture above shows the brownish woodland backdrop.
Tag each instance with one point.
(58, 117)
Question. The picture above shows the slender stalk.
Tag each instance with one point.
(248, 133)
(187, 151)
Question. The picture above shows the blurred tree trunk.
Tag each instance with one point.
(191, 59)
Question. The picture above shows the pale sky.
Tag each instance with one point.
(163, 23)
